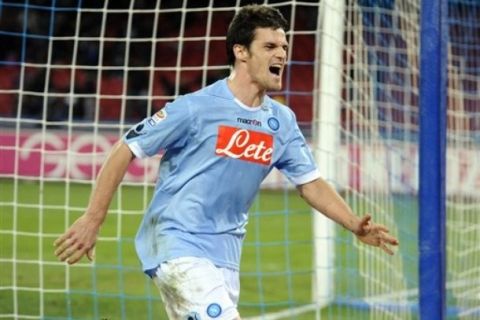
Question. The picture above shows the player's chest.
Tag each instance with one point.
(249, 138)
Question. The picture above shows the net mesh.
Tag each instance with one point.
(463, 127)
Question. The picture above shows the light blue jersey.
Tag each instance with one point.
(217, 151)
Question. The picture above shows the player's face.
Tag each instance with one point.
(267, 58)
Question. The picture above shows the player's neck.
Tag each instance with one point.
(245, 90)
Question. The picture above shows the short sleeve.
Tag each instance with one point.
(297, 162)
(168, 128)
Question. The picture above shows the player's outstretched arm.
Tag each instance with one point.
(322, 197)
(80, 238)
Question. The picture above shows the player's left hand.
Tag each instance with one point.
(376, 235)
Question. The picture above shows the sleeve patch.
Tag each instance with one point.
(137, 131)
(158, 117)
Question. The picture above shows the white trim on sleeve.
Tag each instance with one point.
(308, 177)
(137, 151)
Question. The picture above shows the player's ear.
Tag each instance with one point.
(240, 52)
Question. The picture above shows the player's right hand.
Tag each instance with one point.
(77, 241)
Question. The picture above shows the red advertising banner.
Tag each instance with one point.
(371, 167)
(55, 154)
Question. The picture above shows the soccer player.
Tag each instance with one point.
(219, 143)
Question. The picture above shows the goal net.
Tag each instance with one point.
(463, 160)
(374, 160)
(75, 75)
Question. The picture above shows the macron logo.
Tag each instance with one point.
(252, 122)
(246, 145)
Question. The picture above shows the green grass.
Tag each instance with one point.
(276, 261)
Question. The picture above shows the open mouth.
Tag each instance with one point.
(274, 69)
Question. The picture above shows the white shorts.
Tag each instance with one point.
(195, 289)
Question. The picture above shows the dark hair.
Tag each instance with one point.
(242, 28)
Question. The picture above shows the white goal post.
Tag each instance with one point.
(326, 142)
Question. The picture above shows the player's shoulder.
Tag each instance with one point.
(217, 89)
(204, 96)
